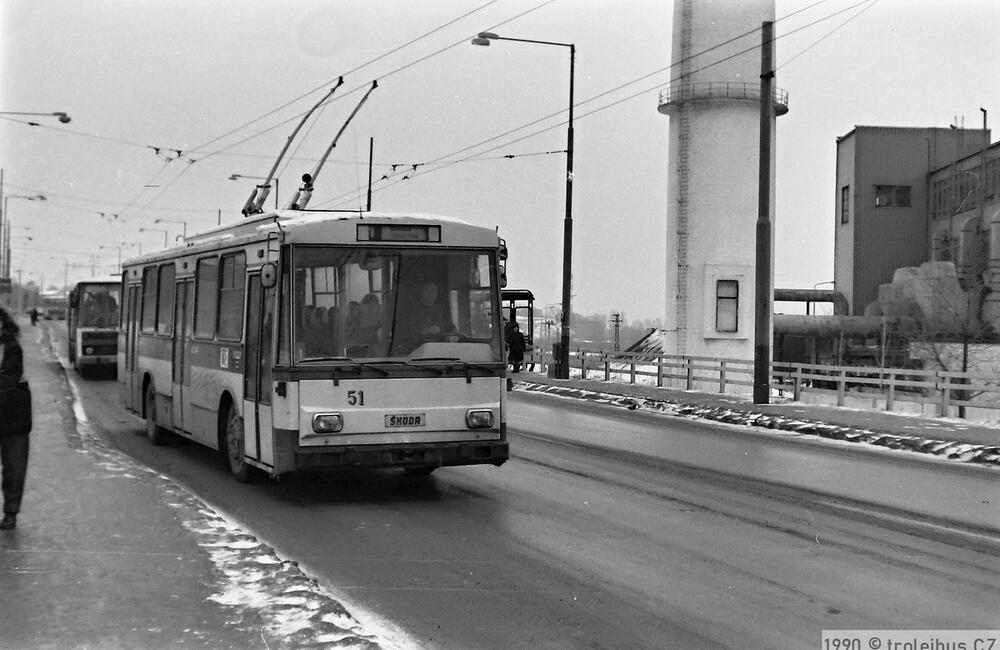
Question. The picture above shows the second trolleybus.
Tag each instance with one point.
(316, 340)
(92, 323)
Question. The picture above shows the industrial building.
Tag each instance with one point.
(906, 196)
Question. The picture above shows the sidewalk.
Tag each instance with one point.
(960, 440)
(110, 554)
(99, 559)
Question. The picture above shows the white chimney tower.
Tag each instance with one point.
(714, 110)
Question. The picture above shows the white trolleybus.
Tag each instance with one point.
(92, 323)
(297, 340)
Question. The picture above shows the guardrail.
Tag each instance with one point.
(944, 393)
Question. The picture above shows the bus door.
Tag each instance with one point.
(258, 432)
(181, 369)
(133, 384)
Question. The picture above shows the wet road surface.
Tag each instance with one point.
(698, 537)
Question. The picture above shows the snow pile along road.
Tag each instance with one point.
(980, 454)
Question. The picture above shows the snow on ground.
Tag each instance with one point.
(255, 584)
(980, 454)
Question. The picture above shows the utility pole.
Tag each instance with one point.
(616, 320)
(763, 308)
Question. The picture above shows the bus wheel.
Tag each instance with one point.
(234, 452)
(156, 434)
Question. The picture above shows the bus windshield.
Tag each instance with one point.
(383, 303)
(98, 305)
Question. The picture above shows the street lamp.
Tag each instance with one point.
(63, 117)
(163, 230)
(5, 229)
(119, 248)
(183, 223)
(562, 361)
(236, 177)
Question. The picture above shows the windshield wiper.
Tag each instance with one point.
(313, 359)
(420, 361)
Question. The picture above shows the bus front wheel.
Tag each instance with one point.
(233, 449)
(156, 434)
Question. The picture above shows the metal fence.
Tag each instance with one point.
(930, 392)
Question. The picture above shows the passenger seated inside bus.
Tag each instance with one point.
(319, 336)
(362, 329)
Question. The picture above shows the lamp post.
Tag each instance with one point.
(562, 356)
(183, 223)
(163, 230)
(236, 177)
(119, 247)
(63, 117)
(5, 229)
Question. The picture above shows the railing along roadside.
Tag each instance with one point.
(948, 392)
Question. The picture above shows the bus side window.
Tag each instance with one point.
(206, 297)
(232, 288)
(165, 304)
(148, 323)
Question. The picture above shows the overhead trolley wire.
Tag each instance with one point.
(444, 165)
(397, 70)
(360, 67)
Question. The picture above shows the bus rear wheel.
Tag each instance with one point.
(156, 434)
(233, 448)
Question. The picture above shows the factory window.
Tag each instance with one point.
(892, 196)
(941, 197)
(993, 178)
(727, 300)
(845, 204)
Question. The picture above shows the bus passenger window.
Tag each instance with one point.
(165, 304)
(148, 323)
(206, 297)
(232, 287)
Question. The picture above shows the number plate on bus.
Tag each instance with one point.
(405, 420)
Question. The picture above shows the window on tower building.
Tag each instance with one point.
(845, 204)
(892, 196)
(727, 301)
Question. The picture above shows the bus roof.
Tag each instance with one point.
(104, 279)
(316, 225)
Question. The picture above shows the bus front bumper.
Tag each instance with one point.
(97, 360)
(442, 454)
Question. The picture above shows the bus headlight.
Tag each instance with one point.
(88, 350)
(327, 422)
(479, 419)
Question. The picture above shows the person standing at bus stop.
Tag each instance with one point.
(15, 424)
(516, 346)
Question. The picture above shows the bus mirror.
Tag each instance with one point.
(503, 277)
(502, 252)
(269, 275)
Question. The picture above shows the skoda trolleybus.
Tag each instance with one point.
(92, 323)
(299, 340)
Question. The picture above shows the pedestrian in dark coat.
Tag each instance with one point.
(15, 419)
(515, 347)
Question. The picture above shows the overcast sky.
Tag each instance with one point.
(168, 98)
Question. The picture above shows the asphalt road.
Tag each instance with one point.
(576, 544)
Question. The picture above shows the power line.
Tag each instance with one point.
(347, 93)
(442, 165)
(381, 77)
(827, 35)
(324, 85)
